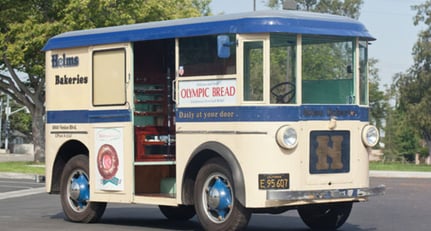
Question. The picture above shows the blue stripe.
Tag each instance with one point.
(272, 113)
(87, 116)
(222, 114)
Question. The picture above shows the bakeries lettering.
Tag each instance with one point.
(70, 80)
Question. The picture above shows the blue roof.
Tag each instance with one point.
(297, 22)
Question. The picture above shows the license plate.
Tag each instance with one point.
(274, 181)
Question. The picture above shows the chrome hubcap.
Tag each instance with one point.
(218, 198)
(78, 191)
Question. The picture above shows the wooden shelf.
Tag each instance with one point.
(165, 162)
(154, 140)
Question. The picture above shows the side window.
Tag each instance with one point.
(109, 77)
(199, 56)
(253, 71)
(283, 68)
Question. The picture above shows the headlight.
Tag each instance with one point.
(370, 135)
(287, 137)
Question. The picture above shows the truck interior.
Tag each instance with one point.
(154, 117)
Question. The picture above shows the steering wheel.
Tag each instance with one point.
(281, 96)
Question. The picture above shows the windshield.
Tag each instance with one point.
(327, 71)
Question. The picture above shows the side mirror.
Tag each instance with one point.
(223, 46)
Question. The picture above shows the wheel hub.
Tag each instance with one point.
(79, 190)
(219, 198)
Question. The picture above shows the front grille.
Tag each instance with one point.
(329, 152)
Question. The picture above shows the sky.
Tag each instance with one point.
(389, 21)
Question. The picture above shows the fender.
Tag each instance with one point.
(218, 149)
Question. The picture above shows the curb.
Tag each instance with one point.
(13, 175)
(13, 157)
(400, 174)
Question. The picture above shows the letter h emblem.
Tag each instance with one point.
(327, 149)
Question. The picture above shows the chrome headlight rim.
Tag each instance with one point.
(370, 136)
(287, 137)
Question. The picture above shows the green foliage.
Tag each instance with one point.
(12, 11)
(22, 167)
(24, 33)
(253, 70)
(349, 8)
(397, 166)
(21, 121)
(414, 87)
(401, 139)
(25, 26)
(410, 122)
(423, 14)
(81, 14)
(326, 59)
(203, 6)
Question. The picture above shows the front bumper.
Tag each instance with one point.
(355, 193)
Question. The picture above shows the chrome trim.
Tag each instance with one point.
(325, 194)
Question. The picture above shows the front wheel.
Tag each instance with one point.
(325, 216)
(214, 197)
(75, 192)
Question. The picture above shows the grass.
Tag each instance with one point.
(22, 167)
(396, 166)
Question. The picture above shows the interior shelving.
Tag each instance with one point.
(154, 119)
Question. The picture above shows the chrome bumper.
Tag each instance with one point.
(325, 194)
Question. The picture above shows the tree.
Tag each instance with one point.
(20, 42)
(25, 27)
(349, 8)
(415, 86)
(401, 138)
(203, 6)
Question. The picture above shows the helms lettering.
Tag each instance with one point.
(64, 61)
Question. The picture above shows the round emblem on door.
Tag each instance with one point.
(107, 161)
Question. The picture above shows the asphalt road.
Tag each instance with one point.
(406, 206)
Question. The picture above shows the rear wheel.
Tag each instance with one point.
(180, 213)
(75, 192)
(325, 216)
(214, 197)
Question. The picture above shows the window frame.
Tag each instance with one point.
(243, 38)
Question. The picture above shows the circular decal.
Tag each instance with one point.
(107, 161)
